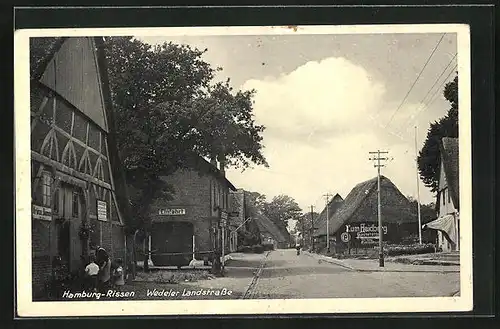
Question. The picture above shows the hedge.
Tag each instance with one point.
(413, 249)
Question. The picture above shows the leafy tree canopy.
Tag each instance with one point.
(169, 109)
(429, 157)
(281, 209)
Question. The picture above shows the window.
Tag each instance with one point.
(449, 197)
(56, 201)
(46, 182)
(444, 197)
(214, 201)
(76, 204)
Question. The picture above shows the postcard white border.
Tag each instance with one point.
(26, 307)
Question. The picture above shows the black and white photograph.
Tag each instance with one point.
(236, 170)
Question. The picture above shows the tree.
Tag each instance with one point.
(429, 157)
(305, 225)
(169, 110)
(280, 210)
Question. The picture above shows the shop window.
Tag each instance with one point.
(46, 182)
(76, 204)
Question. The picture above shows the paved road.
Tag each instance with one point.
(286, 275)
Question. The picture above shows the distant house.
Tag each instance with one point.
(447, 203)
(355, 223)
(198, 214)
(79, 193)
(246, 218)
(270, 233)
(320, 223)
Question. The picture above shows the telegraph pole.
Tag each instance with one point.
(376, 156)
(312, 229)
(327, 196)
(418, 191)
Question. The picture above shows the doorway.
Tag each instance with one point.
(69, 206)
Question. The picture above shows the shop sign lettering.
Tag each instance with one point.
(40, 212)
(171, 212)
(364, 231)
(102, 210)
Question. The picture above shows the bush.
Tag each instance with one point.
(268, 247)
(257, 249)
(413, 249)
(245, 249)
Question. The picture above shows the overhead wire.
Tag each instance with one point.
(424, 104)
(415, 81)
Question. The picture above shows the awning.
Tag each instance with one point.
(445, 224)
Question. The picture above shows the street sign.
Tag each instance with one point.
(345, 237)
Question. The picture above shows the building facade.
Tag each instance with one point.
(74, 162)
(354, 225)
(447, 203)
(195, 222)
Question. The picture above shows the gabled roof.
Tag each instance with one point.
(358, 197)
(266, 225)
(449, 156)
(333, 205)
(42, 52)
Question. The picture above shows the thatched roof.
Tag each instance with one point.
(320, 222)
(265, 225)
(360, 205)
(449, 155)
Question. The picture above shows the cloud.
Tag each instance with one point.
(317, 97)
(321, 121)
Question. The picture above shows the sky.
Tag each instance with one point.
(327, 100)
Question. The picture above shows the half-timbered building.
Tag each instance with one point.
(75, 168)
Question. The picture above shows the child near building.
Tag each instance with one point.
(91, 271)
(118, 275)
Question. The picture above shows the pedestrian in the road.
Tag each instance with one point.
(297, 246)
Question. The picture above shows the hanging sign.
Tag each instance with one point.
(102, 210)
(171, 212)
(40, 212)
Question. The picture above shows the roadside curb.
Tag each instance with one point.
(330, 260)
(342, 264)
(255, 277)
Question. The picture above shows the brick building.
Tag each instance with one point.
(199, 210)
(78, 193)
